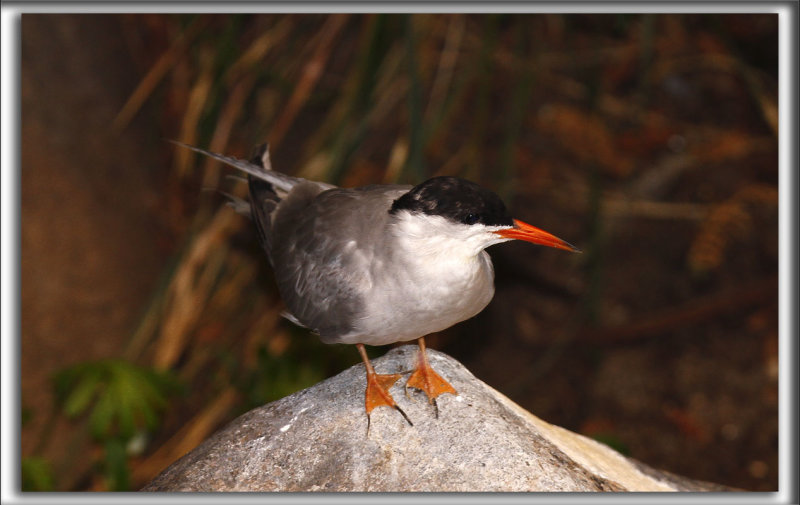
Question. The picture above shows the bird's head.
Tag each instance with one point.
(453, 210)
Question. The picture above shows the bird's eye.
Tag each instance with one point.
(471, 218)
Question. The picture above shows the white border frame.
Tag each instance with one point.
(788, 213)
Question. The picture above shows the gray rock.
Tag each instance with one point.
(317, 440)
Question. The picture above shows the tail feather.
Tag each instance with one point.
(281, 182)
(267, 188)
(263, 201)
(236, 178)
(260, 156)
(239, 205)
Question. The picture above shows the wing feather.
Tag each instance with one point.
(324, 246)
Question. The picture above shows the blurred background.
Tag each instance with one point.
(149, 315)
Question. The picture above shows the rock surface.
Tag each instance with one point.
(317, 440)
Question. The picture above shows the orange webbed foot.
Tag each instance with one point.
(377, 391)
(427, 380)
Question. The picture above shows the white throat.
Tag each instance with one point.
(440, 241)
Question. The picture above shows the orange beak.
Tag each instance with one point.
(532, 234)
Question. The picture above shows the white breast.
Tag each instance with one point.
(430, 277)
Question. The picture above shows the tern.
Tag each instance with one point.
(379, 264)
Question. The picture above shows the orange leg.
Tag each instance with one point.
(377, 393)
(424, 378)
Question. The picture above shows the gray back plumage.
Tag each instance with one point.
(317, 239)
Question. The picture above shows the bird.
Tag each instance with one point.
(379, 264)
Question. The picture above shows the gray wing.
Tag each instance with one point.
(319, 238)
(322, 247)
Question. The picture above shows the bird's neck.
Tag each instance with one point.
(430, 244)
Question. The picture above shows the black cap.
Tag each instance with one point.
(457, 199)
